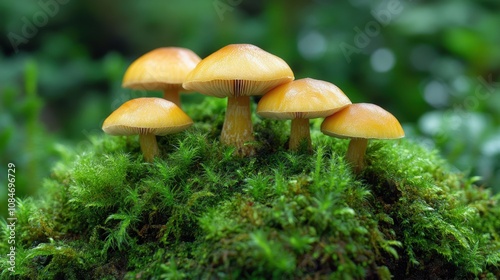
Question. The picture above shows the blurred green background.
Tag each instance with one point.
(434, 64)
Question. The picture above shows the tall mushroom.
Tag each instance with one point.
(162, 69)
(300, 101)
(238, 71)
(361, 122)
(147, 117)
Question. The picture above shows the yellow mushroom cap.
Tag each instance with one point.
(147, 116)
(363, 120)
(305, 98)
(160, 69)
(238, 70)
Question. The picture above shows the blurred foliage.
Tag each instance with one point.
(433, 64)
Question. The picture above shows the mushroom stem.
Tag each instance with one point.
(238, 128)
(356, 153)
(299, 133)
(149, 146)
(172, 94)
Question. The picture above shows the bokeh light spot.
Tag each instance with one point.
(382, 60)
(436, 94)
(312, 45)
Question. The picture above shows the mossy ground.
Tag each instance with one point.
(200, 213)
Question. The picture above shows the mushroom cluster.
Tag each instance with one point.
(238, 71)
(162, 69)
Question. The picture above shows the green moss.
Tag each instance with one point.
(198, 212)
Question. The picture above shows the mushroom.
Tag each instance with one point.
(147, 117)
(238, 71)
(300, 101)
(361, 122)
(162, 69)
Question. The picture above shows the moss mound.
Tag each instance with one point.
(200, 213)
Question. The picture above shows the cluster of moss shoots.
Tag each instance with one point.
(199, 210)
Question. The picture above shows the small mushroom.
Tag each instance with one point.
(361, 122)
(147, 117)
(300, 101)
(237, 72)
(162, 69)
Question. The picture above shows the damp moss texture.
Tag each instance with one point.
(198, 212)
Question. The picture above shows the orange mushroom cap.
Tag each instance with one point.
(147, 116)
(305, 98)
(363, 120)
(238, 70)
(161, 69)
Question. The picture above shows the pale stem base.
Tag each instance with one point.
(149, 146)
(356, 153)
(238, 129)
(300, 132)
